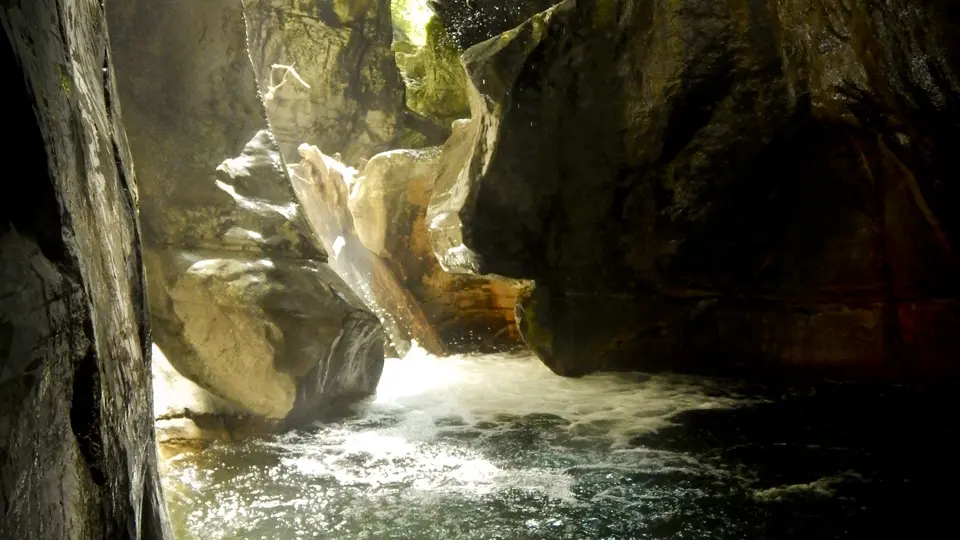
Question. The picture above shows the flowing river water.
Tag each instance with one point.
(497, 447)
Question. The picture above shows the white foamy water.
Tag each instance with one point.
(403, 436)
(476, 389)
(493, 446)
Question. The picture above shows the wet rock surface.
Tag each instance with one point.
(322, 186)
(711, 187)
(77, 451)
(389, 207)
(434, 78)
(189, 418)
(355, 101)
(242, 301)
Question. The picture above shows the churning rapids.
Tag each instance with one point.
(496, 446)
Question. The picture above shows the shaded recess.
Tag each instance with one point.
(711, 187)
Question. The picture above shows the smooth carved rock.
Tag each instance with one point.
(389, 207)
(242, 302)
(355, 101)
(709, 186)
(188, 418)
(322, 185)
(77, 450)
(393, 188)
(450, 200)
(181, 407)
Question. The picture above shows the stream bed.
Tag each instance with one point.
(497, 447)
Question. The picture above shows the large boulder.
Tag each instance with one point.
(189, 418)
(709, 186)
(242, 301)
(353, 100)
(77, 451)
(389, 204)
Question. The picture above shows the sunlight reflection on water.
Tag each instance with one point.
(496, 446)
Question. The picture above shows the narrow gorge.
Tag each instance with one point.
(479, 269)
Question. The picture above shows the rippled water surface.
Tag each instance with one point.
(497, 447)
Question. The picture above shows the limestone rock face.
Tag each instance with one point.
(77, 450)
(388, 197)
(389, 207)
(707, 186)
(341, 48)
(242, 302)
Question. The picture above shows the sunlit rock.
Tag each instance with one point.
(321, 184)
(448, 202)
(242, 302)
(181, 408)
(341, 49)
(435, 81)
(389, 207)
(77, 451)
(256, 322)
(393, 189)
(410, 19)
(189, 419)
(709, 186)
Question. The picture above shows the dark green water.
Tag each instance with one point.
(499, 448)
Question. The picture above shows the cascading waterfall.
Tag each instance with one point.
(321, 184)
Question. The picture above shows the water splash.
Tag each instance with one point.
(483, 389)
(322, 184)
(443, 435)
(496, 446)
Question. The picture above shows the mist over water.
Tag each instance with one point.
(496, 446)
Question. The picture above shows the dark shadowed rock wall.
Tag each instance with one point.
(77, 450)
(719, 186)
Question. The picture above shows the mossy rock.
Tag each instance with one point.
(435, 79)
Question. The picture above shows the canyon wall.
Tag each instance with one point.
(718, 187)
(77, 450)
